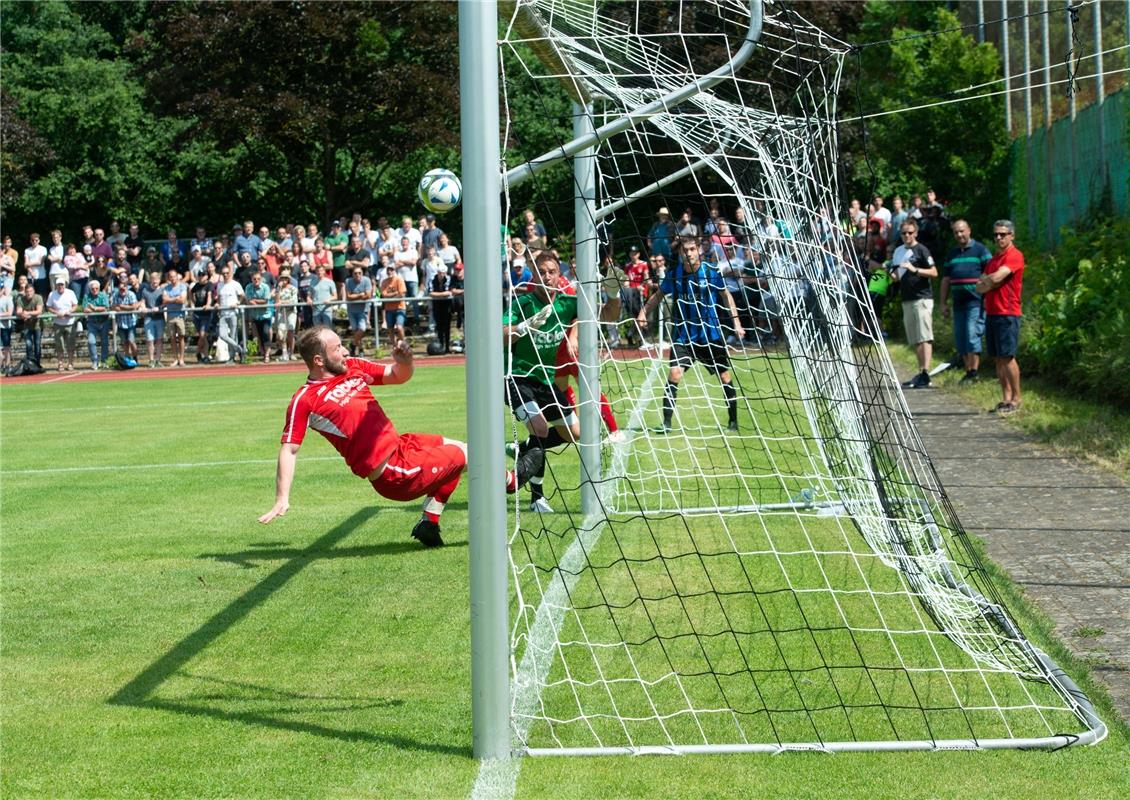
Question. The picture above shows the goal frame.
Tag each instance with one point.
(489, 557)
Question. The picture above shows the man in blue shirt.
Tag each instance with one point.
(696, 290)
(963, 268)
(248, 242)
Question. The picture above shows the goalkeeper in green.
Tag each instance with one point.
(533, 328)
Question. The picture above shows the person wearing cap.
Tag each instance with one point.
(661, 233)
(286, 301)
(95, 304)
(337, 242)
(150, 264)
(62, 304)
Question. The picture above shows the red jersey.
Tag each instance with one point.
(637, 274)
(563, 358)
(343, 409)
(1005, 299)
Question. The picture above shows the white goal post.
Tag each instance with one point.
(776, 566)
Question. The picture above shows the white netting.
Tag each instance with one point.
(801, 580)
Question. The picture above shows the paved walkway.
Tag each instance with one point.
(1059, 527)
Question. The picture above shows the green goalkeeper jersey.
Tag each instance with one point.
(535, 354)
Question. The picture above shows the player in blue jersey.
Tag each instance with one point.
(697, 291)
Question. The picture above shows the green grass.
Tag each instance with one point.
(157, 641)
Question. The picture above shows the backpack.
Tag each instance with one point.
(26, 367)
(122, 361)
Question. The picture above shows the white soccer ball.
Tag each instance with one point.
(440, 191)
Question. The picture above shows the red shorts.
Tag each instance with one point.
(420, 466)
(566, 366)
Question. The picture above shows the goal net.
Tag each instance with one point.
(763, 567)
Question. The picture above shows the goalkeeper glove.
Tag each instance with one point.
(535, 322)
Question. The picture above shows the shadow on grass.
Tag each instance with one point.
(138, 692)
(248, 559)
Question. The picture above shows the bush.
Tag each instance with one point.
(1078, 307)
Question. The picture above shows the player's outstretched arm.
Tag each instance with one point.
(651, 303)
(288, 454)
(402, 364)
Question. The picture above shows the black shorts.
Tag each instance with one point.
(1002, 334)
(339, 274)
(528, 397)
(204, 321)
(712, 355)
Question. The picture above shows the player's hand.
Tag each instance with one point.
(539, 319)
(739, 331)
(641, 320)
(402, 352)
(278, 510)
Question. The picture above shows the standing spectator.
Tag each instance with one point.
(303, 284)
(358, 291)
(687, 226)
(172, 248)
(898, 214)
(431, 234)
(634, 291)
(1001, 286)
(134, 244)
(150, 264)
(77, 271)
(431, 264)
(95, 304)
(244, 269)
(322, 291)
(116, 236)
(201, 241)
(731, 267)
(8, 254)
(247, 242)
(153, 295)
(305, 240)
(913, 267)
(204, 300)
(88, 235)
(535, 242)
(29, 308)
(393, 288)
(55, 254)
(528, 219)
(230, 295)
(219, 255)
(272, 259)
(917, 211)
(101, 272)
(124, 301)
(881, 214)
(337, 243)
(258, 294)
(198, 264)
(963, 268)
(286, 300)
(357, 255)
(321, 257)
(35, 264)
(457, 284)
(448, 252)
(173, 298)
(283, 240)
(442, 299)
(100, 247)
(406, 260)
(406, 229)
(62, 304)
(7, 317)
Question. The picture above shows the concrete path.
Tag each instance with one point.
(1058, 526)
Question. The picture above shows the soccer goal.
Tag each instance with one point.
(795, 580)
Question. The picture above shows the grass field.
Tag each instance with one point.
(157, 641)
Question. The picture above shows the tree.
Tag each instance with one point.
(83, 145)
(332, 96)
(959, 149)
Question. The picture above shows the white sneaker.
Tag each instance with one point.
(616, 437)
(542, 506)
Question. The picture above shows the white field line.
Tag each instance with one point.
(393, 395)
(498, 778)
(171, 465)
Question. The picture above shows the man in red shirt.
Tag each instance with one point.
(1000, 285)
(336, 401)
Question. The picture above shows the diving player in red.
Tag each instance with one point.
(336, 401)
(565, 367)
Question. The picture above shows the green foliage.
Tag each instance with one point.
(1079, 303)
(959, 149)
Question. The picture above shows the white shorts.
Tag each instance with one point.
(288, 321)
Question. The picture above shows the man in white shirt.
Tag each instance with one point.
(231, 295)
(883, 215)
(62, 303)
(35, 262)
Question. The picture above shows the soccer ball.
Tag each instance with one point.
(440, 191)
